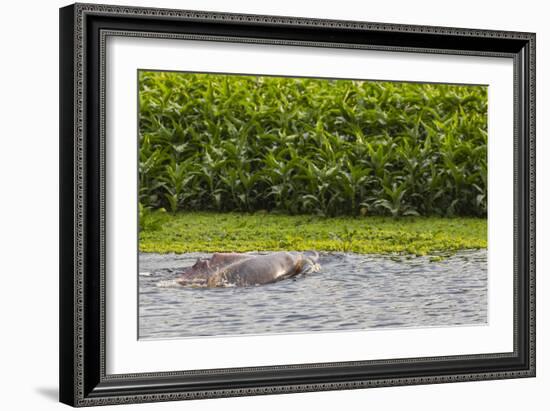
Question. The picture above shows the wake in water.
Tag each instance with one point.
(350, 292)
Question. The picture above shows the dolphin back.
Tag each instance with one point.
(230, 270)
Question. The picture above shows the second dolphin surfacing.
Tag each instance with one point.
(234, 269)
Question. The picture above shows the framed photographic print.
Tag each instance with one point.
(262, 204)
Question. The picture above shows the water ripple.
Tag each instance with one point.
(350, 292)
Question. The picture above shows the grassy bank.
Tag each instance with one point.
(203, 231)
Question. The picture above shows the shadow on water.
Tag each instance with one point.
(350, 292)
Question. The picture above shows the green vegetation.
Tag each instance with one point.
(310, 146)
(246, 163)
(210, 232)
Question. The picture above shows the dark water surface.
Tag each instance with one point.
(350, 292)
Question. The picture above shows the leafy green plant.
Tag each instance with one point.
(151, 221)
(211, 142)
(345, 237)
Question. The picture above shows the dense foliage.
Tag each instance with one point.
(311, 146)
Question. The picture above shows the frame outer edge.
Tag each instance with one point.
(67, 331)
(80, 112)
(532, 201)
(72, 193)
(246, 18)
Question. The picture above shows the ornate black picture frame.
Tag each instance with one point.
(83, 379)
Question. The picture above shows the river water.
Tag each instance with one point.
(350, 292)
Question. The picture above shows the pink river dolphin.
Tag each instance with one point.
(234, 269)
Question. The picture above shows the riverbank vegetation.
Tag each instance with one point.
(229, 143)
(183, 232)
(248, 163)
